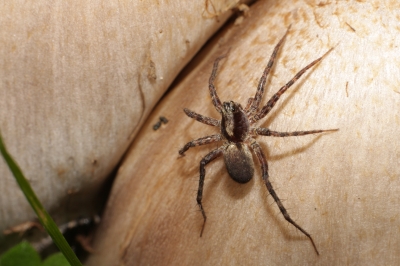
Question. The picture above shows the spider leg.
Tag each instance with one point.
(264, 167)
(208, 158)
(271, 103)
(263, 79)
(200, 141)
(248, 105)
(267, 132)
(214, 96)
(203, 119)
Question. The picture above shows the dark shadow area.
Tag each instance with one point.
(294, 151)
(77, 224)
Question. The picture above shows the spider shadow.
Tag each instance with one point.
(294, 151)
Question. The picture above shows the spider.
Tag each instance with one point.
(238, 135)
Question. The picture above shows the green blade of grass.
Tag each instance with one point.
(42, 214)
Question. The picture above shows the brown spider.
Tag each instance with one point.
(238, 135)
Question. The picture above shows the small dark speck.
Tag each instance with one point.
(163, 119)
(157, 125)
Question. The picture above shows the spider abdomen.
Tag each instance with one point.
(239, 162)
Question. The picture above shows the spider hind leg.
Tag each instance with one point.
(207, 159)
(264, 167)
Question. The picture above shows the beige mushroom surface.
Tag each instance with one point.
(341, 187)
(77, 81)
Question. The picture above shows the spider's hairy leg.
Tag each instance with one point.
(202, 119)
(263, 79)
(214, 96)
(271, 103)
(264, 167)
(208, 158)
(249, 103)
(266, 132)
(200, 141)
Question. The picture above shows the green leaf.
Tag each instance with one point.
(57, 259)
(21, 254)
(42, 214)
(24, 254)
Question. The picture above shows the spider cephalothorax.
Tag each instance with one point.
(234, 123)
(238, 135)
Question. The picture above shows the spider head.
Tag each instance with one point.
(234, 123)
(231, 107)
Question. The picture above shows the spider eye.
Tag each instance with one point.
(227, 106)
(232, 106)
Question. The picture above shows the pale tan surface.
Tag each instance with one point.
(342, 187)
(77, 80)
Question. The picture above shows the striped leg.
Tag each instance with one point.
(271, 103)
(264, 167)
(263, 79)
(248, 105)
(200, 141)
(267, 132)
(202, 119)
(214, 96)
(208, 158)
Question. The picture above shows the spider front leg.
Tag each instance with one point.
(266, 132)
(202, 119)
(200, 141)
(264, 167)
(248, 105)
(271, 103)
(214, 96)
(208, 158)
(261, 85)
